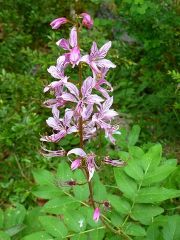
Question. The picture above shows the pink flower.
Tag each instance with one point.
(61, 126)
(115, 163)
(90, 160)
(49, 153)
(84, 98)
(73, 56)
(58, 70)
(97, 58)
(96, 215)
(56, 23)
(87, 20)
(100, 80)
(75, 164)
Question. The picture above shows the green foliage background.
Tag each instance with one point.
(145, 38)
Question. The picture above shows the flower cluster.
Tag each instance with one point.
(90, 103)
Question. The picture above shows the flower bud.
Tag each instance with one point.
(96, 215)
(87, 20)
(56, 23)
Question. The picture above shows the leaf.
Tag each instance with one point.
(134, 135)
(135, 230)
(14, 216)
(1, 218)
(152, 158)
(54, 226)
(159, 174)
(38, 236)
(79, 237)
(80, 192)
(145, 212)
(60, 205)
(47, 192)
(153, 232)
(75, 221)
(97, 234)
(43, 177)
(171, 230)
(136, 153)
(99, 190)
(156, 194)
(119, 204)
(4, 236)
(134, 170)
(116, 219)
(15, 230)
(126, 184)
(64, 173)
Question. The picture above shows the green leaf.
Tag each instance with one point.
(171, 230)
(4, 236)
(15, 230)
(153, 232)
(145, 212)
(134, 135)
(134, 170)
(47, 192)
(99, 189)
(79, 237)
(64, 172)
(1, 218)
(126, 184)
(14, 216)
(75, 221)
(43, 177)
(80, 192)
(156, 194)
(116, 219)
(119, 204)
(159, 174)
(136, 153)
(135, 230)
(54, 226)
(38, 236)
(152, 158)
(97, 234)
(60, 205)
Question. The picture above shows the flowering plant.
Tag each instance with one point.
(74, 197)
(89, 112)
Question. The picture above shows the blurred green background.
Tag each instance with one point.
(146, 82)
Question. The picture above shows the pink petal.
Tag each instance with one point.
(75, 55)
(75, 164)
(87, 20)
(87, 86)
(93, 98)
(55, 72)
(63, 43)
(68, 97)
(73, 37)
(105, 63)
(67, 117)
(96, 215)
(77, 151)
(94, 50)
(73, 89)
(56, 23)
(54, 137)
(49, 153)
(85, 59)
(104, 49)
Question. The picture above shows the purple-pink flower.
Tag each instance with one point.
(73, 56)
(56, 23)
(96, 214)
(87, 20)
(96, 58)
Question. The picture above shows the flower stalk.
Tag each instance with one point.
(90, 112)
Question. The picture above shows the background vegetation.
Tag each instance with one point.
(145, 38)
